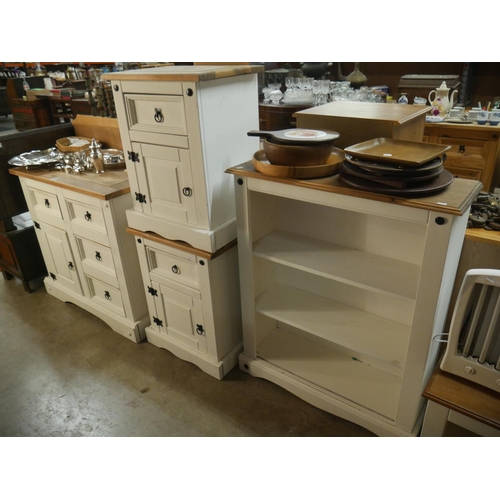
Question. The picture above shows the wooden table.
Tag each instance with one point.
(464, 403)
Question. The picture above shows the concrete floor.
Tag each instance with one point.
(63, 372)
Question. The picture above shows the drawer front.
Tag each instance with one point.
(105, 295)
(467, 153)
(170, 266)
(97, 261)
(163, 114)
(87, 220)
(45, 205)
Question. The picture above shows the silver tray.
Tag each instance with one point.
(36, 158)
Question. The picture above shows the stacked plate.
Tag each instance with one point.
(392, 166)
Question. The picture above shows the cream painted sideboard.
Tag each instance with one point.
(181, 128)
(343, 291)
(91, 261)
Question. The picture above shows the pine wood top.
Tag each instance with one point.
(184, 73)
(464, 396)
(111, 184)
(483, 235)
(367, 111)
(454, 200)
(464, 126)
(180, 245)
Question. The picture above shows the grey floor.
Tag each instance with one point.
(64, 372)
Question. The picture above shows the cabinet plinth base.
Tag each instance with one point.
(217, 369)
(323, 400)
(132, 330)
(204, 239)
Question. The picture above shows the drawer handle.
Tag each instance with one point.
(199, 330)
(107, 295)
(187, 191)
(47, 203)
(461, 148)
(88, 216)
(98, 256)
(158, 115)
(176, 270)
(71, 266)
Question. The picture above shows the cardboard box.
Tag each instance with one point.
(103, 129)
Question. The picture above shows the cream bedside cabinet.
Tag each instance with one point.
(194, 301)
(343, 291)
(91, 261)
(181, 128)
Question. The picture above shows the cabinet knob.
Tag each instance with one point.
(107, 295)
(200, 330)
(88, 216)
(71, 266)
(47, 203)
(187, 191)
(158, 115)
(98, 256)
(176, 270)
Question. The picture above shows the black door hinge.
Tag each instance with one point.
(152, 291)
(157, 321)
(53, 276)
(141, 198)
(36, 224)
(133, 156)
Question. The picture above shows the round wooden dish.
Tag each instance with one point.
(262, 165)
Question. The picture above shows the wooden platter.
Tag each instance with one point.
(262, 165)
(394, 150)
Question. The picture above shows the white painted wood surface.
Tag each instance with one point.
(85, 246)
(342, 296)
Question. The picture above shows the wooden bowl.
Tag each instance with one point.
(331, 167)
(297, 156)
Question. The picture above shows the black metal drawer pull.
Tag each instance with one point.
(47, 203)
(88, 216)
(158, 115)
(176, 270)
(98, 256)
(461, 148)
(187, 191)
(71, 266)
(107, 295)
(200, 330)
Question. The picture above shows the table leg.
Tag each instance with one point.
(435, 419)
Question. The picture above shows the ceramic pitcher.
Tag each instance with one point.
(442, 92)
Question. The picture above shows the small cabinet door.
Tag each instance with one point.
(165, 182)
(58, 257)
(180, 317)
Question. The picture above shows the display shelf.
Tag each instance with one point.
(362, 269)
(342, 295)
(337, 323)
(328, 369)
